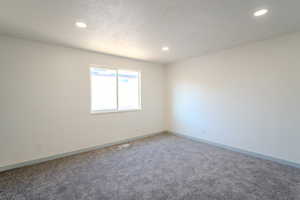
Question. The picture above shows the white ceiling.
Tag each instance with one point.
(139, 28)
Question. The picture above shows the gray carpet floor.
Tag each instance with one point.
(159, 167)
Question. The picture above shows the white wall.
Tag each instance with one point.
(247, 97)
(45, 101)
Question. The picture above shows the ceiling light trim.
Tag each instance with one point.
(260, 12)
(81, 24)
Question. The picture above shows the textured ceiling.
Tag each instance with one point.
(139, 28)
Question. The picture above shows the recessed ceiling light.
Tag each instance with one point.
(81, 25)
(260, 12)
(165, 48)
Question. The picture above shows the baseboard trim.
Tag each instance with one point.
(249, 153)
(41, 160)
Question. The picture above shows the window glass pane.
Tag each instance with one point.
(103, 89)
(128, 90)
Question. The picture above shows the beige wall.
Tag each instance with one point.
(45, 101)
(247, 97)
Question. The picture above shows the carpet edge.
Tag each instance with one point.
(62, 155)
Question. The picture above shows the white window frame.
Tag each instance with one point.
(117, 90)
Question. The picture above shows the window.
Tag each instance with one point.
(103, 89)
(128, 90)
(114, 90)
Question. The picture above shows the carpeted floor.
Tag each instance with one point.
(160, 167)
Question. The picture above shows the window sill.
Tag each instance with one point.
(114, 111)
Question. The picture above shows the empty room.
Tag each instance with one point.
(149, 100)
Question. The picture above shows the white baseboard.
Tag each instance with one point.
(36, 161)
(257, 155)
(253, 154)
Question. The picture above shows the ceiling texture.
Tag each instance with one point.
(139, 28)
